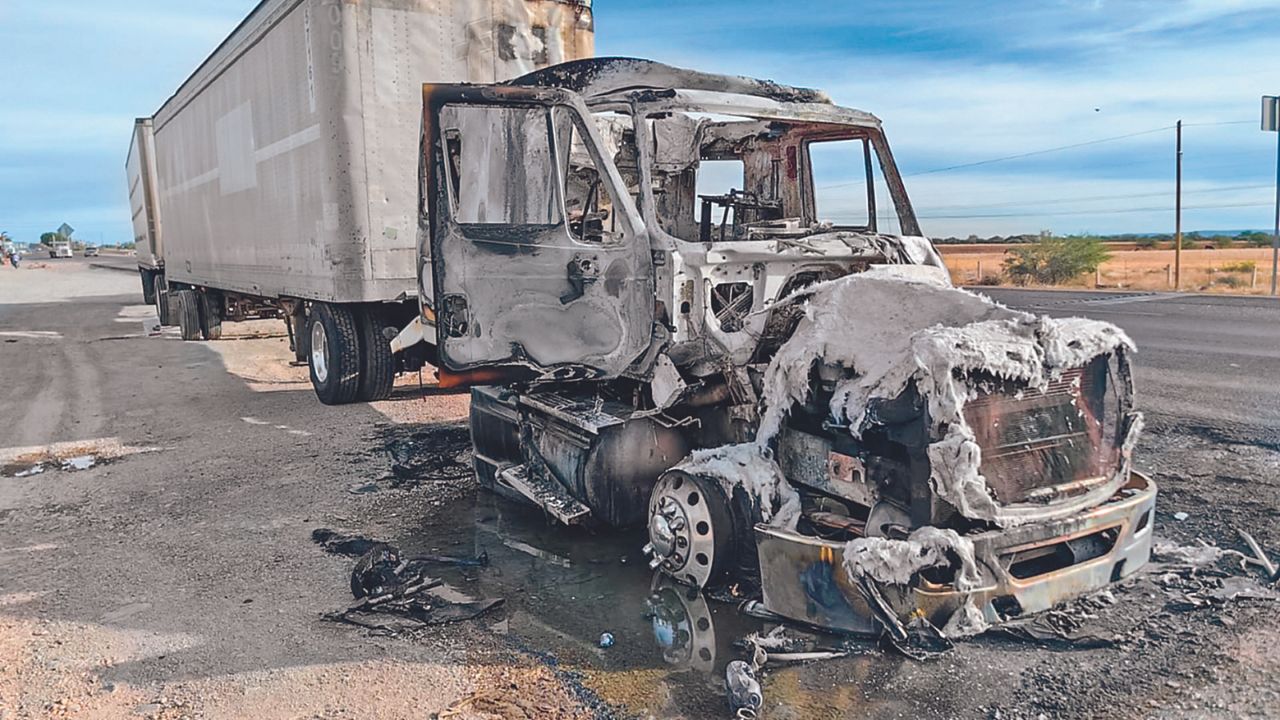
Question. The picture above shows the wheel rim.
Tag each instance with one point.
(319, 352)
(681, 533)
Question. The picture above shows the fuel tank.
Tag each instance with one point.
(593, 447)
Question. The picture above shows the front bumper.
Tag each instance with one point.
(1025, 569)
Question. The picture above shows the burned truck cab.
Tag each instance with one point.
(703, 304)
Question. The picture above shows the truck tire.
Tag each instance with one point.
(210, 316)
(377, 363)
(148, 287)
(187, 306)
(334, 359)
(164, 307)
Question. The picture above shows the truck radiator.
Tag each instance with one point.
(1042, 447)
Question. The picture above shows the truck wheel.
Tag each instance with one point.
(187, 305)
(335, 353)
(696, 534)
(210, 316)
(377, 363)
(148, 287)
(164, 307)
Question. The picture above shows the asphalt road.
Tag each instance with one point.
(1202, 358)
(181, 574)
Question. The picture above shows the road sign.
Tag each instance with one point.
(66, 230)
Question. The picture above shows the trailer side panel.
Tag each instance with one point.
(288, 163)
(140, 169)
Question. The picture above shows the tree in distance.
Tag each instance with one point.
(1053, 260)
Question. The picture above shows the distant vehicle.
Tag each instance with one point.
(60, 250)
(91, 251)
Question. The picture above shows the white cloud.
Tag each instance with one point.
(1195, 12)
(943, 109)
(34, 130)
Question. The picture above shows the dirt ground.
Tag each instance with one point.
(177, 576)
(1245, 271)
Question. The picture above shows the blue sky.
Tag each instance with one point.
(955, 83)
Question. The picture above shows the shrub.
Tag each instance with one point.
(1244, 266)
(1223, 242)
(1055, 260)
(989, 280)
(1147, 242)
(1255, 239)
(1231, 281)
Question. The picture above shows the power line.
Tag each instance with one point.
(1095, 198)
(1046, 151)
(1091, 212)
(1079, 199)
(1034, 153)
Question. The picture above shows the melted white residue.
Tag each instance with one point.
(892, 331)
(895, 562)
(745, 466)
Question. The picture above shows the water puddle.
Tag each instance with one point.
(565, 588)
(67, 457)
(21, 470)
(28, 469)
(79, 462)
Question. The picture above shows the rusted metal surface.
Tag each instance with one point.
(802, 577)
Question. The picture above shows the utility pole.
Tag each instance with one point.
(1271, 123)
(1177, 219)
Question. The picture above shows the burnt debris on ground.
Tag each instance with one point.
(394, 594)
(427, 454)
(1185, 606)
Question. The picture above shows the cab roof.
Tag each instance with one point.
(597, 77)
(606, 80)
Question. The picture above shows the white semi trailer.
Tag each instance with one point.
(281, 179)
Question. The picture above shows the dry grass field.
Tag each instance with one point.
(1227, 270)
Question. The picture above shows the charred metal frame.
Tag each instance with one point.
(545, 435)
(801, 576)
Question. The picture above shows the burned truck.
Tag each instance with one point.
(704, 304)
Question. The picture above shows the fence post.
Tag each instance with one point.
(1168, 275)
(1253, 284)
